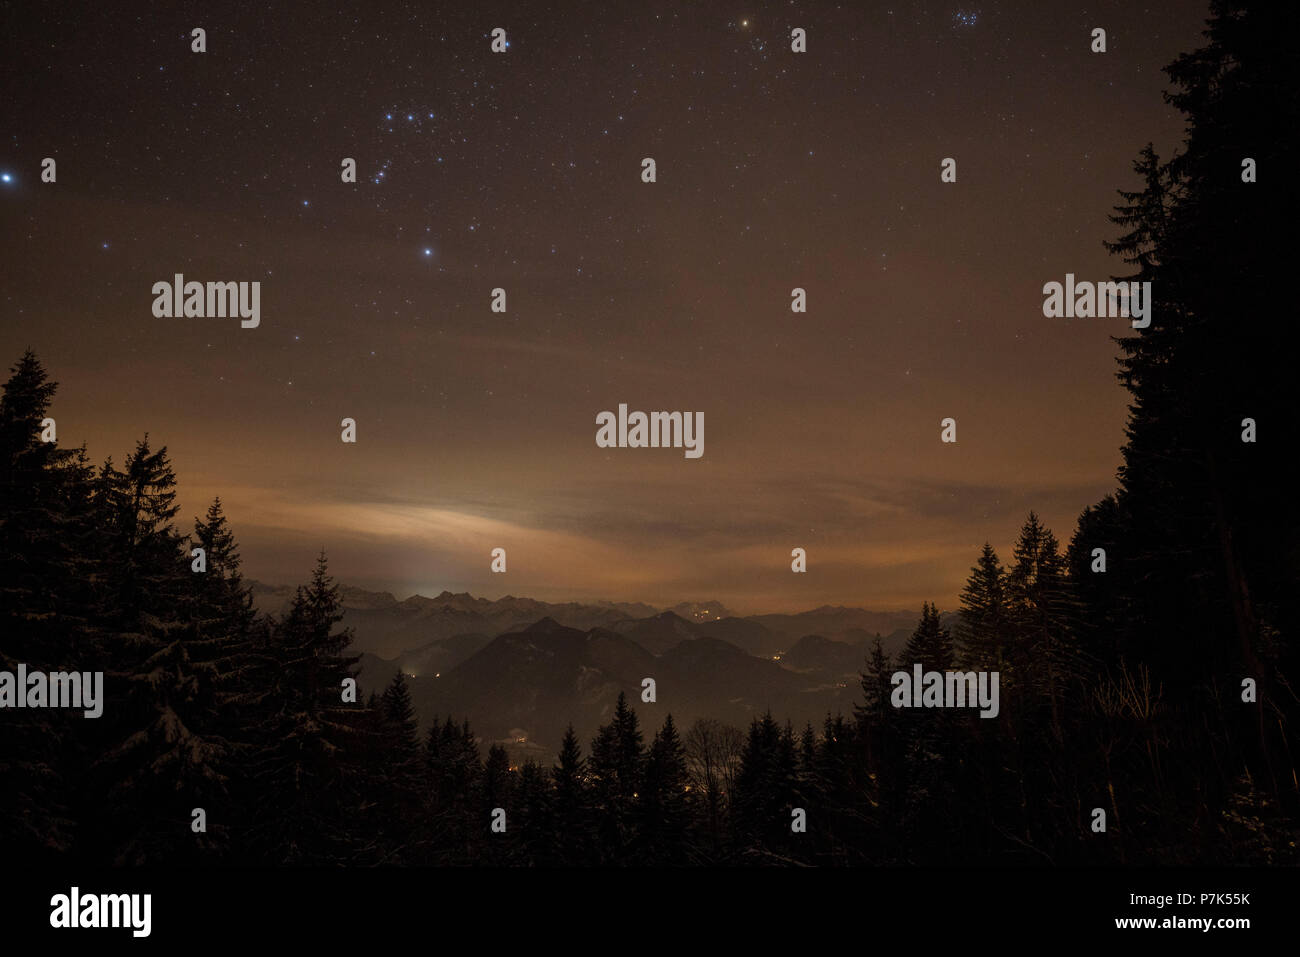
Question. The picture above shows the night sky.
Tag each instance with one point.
(522, 170)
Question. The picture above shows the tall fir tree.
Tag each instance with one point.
(930, 644)
(572, 813)
(398, 773)
(983, 623)
(617, 767)
(225, 643)
(665, 802)
(45, 603)
(1044, 657)
(310, 768)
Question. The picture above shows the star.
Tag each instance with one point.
(7, 177)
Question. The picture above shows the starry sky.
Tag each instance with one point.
(522, 170)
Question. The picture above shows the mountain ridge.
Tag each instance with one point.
(521, 670)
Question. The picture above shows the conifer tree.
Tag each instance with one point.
(535, 841)
(499, 789)
(880, 743)
(617, 765)
(571, 808)
(309, 766)
(44, 605)
(837, 784)
(984, 625)
(765, 792)
(930, 644)
(455, 780)
(927, 736)
(166, 752)
(876, 685)
(398, 775)
(665, 805)
(1045, 659)
(225, 642)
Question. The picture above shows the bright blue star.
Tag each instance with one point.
(428, 252)
(7, 177)
(305, 203)
(409, 116)
(388, 116)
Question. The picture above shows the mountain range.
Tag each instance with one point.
(522, 670)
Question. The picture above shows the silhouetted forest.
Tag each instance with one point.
(1120, 690)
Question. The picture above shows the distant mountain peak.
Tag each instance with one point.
(701, 611)
(544, 625)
